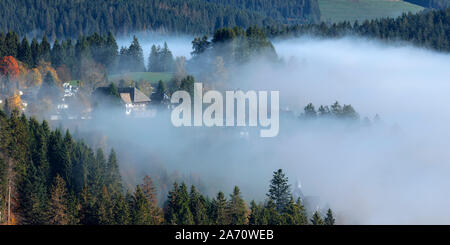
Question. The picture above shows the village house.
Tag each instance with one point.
(135, 101)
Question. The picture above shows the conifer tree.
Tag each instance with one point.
(160, 92)
(113, 179)
(44, 50)
(24, 52)
(57, 213)
(136, 56)
(171, 205)
(317, 219)
(35, 52)
(295, 213)
(33, 197)
(104, 208)
(256, 215)
(184, 214)
(329, 220)
(141, 211)
(121, 211)
(220, 212)
(197, 205)
(271, 215)
(236, 208)
(280, 190)
(111, 52)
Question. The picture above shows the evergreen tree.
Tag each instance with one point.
(197, 205)
(220, 212)
(11, 44)
(153, 60)
(317, 219)
(111, 51)
(184, 214)
(310, 111)
(171, 208)
(44, 50)
(35, 52)
(141, 210)
(57, 211)
(256, 214)
(24, 52)
(121, 211)
(329, 220)
(33, 197)
(236, 208)
(136, 56)
(295, 213)
(160, 92)
(56, 56)
(271, 216)
(279, 191)
(113, 179)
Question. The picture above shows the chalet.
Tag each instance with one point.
(134, 99)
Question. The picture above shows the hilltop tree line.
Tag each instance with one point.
(67, 18)
(100, 49)
(435, 4)
(427, 28)
(335, 111)
(48, 177)
(233, 45)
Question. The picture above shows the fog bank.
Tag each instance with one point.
(393, 172)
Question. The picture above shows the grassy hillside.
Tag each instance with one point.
(152, 77)
(351, 10)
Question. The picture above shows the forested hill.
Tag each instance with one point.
(429, 29)
(286, 11)
(66, 18)
(436, 4)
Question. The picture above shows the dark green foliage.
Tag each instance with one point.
(236, 208)
(57, 213)
(219, 214)
(67, 18)
(24, 52)
(295, 213)
(317, 219)
(58, 180)
(329, 220)
(161, 91)
(436, 4)
(113, 180)
(235, 45)
(160, 59)
(198, 205)
(279, 191)
(427, 28)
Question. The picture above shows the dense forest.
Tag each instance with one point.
(428, 29)
(436, 4)
(48, 177)
(67, 18)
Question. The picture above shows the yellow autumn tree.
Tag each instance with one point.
(45, 67)
(33, 78)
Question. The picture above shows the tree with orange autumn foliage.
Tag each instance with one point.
(9, 67)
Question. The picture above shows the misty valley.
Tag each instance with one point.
(223, 112)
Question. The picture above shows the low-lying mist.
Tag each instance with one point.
(396, 171)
